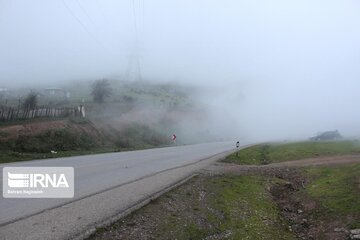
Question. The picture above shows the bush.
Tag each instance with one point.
(101, 90)
(138, 136)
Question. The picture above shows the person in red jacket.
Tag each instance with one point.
(174, 138)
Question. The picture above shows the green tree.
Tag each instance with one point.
(101, 90)
(30, 101)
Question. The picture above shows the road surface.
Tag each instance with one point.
(106, 187)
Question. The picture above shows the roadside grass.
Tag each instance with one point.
(248, 209)
(25, 121)
(12, 156)
(337, 191)
(236, 208)
(137, 136)
(7, 156)
(271, 153)
(66, 143)
(222, 207)
(63, 141)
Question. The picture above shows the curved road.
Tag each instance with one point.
(105, 186)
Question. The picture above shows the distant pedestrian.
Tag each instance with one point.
(237, 146)
(174, 138)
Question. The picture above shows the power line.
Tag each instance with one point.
(84, 11)
(81, 23)
(100, 7)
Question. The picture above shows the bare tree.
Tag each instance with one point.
(101, 90)
(30, 101)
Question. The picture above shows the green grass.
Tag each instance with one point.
(271, 153)
(11, 156)
(7, 156)
(236, 205)
(248, 209)
(337, 190)
(67, 143)
(137, 136)
(63, 141)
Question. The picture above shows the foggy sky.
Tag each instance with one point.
(268, 69)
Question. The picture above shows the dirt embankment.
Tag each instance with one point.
(45, 139)
(77, 136)
(298, 208)
(13, 132)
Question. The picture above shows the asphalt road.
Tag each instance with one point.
(105, 185)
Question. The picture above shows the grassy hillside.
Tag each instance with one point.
(47, 139)
(137, 115)
(270, 153)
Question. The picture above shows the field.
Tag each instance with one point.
(256, 202)
(272, 153)
(337, 192)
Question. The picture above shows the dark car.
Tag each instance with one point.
(327, 136)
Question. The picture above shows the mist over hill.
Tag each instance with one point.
(261, 71)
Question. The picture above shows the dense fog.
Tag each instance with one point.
(259, 70)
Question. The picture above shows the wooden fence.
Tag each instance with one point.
(13, 114)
